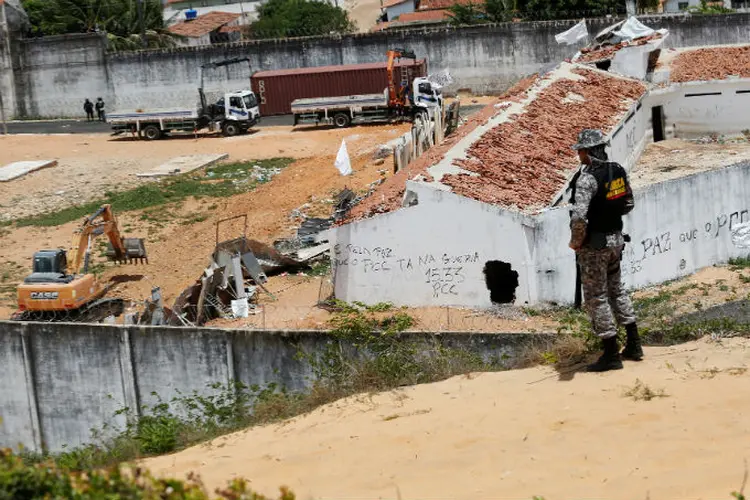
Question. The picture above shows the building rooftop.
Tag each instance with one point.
(717, 63)
(675, 158)
(517, 152)
(442, 4)
(422, 17)
(203, 25)
(393, 3)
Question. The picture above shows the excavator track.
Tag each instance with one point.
(95, 312)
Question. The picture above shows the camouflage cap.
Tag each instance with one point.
(588, 138)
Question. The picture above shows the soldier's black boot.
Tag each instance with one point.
(610, 359)
(633, 350)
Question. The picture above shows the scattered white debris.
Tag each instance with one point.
(21, 168)
(183, 165)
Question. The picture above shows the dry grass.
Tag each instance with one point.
(642, 392)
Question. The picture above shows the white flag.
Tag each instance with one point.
(342, 160)
(577, 32)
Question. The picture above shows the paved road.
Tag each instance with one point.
(84, 127)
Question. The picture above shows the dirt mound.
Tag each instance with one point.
(669, 427)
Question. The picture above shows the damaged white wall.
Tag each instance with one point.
(699, 108)
(678, 227)
(432, 253)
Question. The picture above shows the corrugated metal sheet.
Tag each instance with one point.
(277, 89)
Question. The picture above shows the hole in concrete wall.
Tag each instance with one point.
(603, 65)
(410, 199)
(657, 120)
(501, 281)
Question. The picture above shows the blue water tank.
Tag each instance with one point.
(191, 14)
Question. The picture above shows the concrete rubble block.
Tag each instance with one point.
(382, 152)
(184, 165)
(21, 168)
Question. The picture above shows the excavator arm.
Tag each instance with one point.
(396, 98)
(120, 249)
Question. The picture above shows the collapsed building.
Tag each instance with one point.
(484, 217)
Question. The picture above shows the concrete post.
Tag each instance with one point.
(30, 377)
(127, 372)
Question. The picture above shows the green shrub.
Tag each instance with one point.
(20, 480)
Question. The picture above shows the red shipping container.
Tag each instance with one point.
(277, 89)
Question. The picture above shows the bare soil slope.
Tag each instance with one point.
(514, 434)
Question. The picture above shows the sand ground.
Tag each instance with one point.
(513, 434)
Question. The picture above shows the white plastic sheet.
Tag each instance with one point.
(633, 28)
(574, 34)
(240, 308)
(342, 160)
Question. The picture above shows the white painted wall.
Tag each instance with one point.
(677, 227)
(402, 8)
(433, 253)
(689, 115)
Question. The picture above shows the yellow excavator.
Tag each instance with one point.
(59, 290)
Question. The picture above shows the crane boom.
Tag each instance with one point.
(395, 98)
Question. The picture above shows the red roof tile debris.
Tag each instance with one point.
(525, 162)
(608, 51)
(389, 195)
(423, 16)
(711, 64)
(444, 4)
(203, 25)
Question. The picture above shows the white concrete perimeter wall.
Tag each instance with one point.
(677, 227)
(630, 137)
(698, 108)
(433, 253)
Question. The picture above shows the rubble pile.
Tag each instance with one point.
(602, 52)
(389, 195)
(711, 64)
(526, 161)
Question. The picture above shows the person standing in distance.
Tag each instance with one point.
(100, 109)
(601, 196)
(88, 107)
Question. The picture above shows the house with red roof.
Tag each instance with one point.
(214, 27)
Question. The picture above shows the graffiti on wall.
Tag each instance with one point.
(442, 273)
(652, 246)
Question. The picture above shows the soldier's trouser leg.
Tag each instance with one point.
(619, 300)
(594, 272)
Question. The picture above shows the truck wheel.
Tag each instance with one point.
(341, 120)
(231, 129)
(151, 132)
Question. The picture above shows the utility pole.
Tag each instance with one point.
(140, 22)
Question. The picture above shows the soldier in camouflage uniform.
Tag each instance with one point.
(601, 196)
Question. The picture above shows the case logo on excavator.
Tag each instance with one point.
(44, 295)
(616, 188)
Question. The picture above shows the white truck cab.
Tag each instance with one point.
(243, 106)
(426, 94)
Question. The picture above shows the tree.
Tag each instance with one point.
(499, 11)
(568, 9)
(490, 11)
(289, 18)
(118, 18)
(464, 14)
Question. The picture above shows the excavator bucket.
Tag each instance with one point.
(135, 251)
